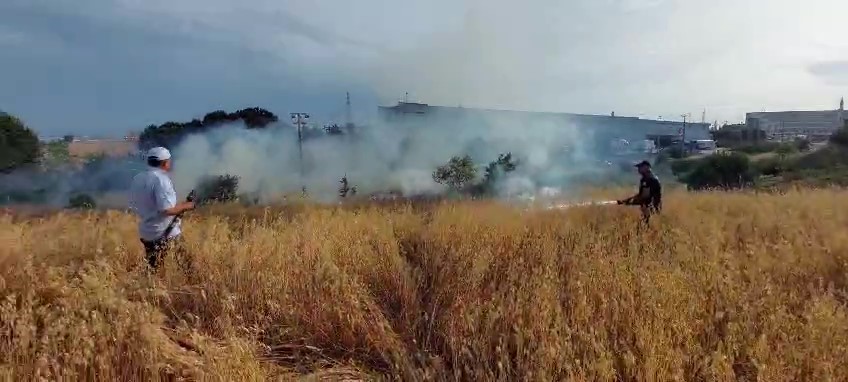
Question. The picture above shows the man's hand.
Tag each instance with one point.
(187, 206)
(180, 208)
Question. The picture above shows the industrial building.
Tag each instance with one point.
(817, 126)
(603, 128)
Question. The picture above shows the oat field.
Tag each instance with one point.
(721, 287)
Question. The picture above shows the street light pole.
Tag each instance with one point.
(683, 134)
(300, 120)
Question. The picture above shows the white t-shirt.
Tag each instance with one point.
(151, 193)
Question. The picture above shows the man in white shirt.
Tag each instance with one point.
(153, 199)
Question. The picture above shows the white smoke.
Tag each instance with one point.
(385, 156)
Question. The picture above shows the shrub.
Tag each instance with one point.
(840, 137)
(220, 188)
(494, 171)
(827, 157)
(680, 167)
(81, 201)
(55, 154)
(803, 144)
(674, 152)
(345, 189)
(785, 149)
(457, 173)
(775, 166)
(725, 171)
(759, 148)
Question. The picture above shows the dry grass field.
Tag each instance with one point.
(111, 147)
(721, 287)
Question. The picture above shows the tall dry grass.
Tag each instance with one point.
(720, 287)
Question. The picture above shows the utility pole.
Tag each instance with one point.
(683, 134)
(349, 119)
(300, 120)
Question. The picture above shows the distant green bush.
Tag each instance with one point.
(840, 137)
(759, 148)
(680, 167)
(774, 166)
(803, 144)
(724, 171)
(674, 152)
(837, 176)
(830, 156)
(81, 201)
(220, 188)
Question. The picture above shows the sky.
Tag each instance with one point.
(106, 67)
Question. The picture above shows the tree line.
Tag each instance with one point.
(170, 134)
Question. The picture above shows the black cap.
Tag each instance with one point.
(643, 163)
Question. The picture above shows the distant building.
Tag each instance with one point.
(816, 126)
(603, 128)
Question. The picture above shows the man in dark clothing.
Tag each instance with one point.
(649, 197)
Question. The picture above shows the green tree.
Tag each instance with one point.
(494, 171)
(169, 134)
(18, 144)
(457, 173)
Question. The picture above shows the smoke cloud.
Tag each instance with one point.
(105, 179)
(554, 155)
(383, 156)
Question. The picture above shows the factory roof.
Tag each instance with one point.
(423, 108)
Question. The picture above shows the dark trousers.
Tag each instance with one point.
(155, 251)
(647, 211)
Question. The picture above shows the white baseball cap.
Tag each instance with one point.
(158, 153)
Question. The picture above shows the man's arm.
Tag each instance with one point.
(179, 208)
(166, 200)
(633, 199)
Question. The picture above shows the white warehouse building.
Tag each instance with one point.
(816, 126)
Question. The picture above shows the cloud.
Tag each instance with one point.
(831, 72)
(636, 57)
(11, 37)
(152, 60)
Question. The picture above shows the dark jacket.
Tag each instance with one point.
(649, 194)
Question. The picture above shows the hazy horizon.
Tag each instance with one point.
(106, 67)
